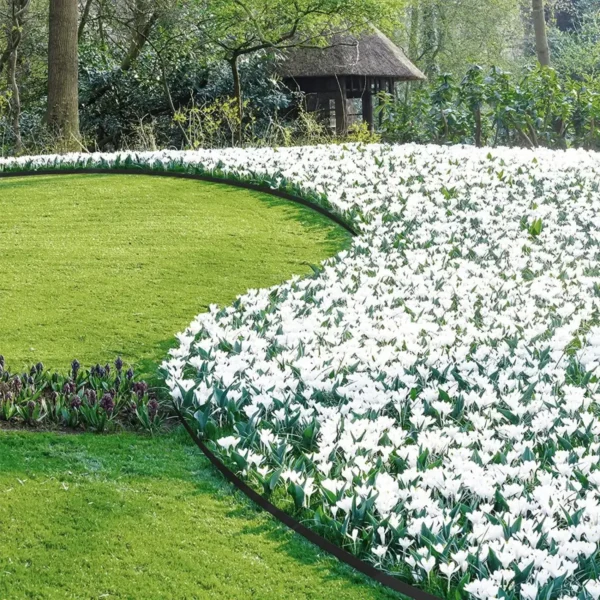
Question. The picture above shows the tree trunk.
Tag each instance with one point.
(143, 28)
(63, 115)
(15, 100)
(237, 94)
(430, 43)
(446, 126)
(4, 58)
(13, 41)
(84, 19)
(413, 40)
(541, 39)
(413, 46)
(478, 140)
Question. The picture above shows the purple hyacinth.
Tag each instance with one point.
(140, 388)
(118, 364)
(91, 397)
(153, 407)
(75, 366)
(76, 402)
(107, 403)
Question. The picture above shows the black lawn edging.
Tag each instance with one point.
(384, 579)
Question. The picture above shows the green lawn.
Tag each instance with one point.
(95, 266)
(125, 516)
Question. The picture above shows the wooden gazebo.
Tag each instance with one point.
(340, 80)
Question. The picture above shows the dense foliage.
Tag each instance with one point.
(162, 73)
(497, 108)
(134, 112)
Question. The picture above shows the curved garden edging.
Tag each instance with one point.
(363, 567)
(342, 555)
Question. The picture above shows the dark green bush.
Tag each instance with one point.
(491, 108)
(118, 107)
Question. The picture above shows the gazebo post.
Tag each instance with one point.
(367, 104)
(341, 116)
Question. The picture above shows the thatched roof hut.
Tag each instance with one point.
(370, 55)
(349, 68)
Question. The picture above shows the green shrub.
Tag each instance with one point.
(492, 108)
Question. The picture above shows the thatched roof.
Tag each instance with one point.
(372, 54)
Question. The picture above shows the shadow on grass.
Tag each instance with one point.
(123, 502)
(337, 237)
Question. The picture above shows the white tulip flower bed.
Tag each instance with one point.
(428, 400)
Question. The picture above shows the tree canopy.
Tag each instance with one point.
(186, 72)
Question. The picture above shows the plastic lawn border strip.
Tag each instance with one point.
(314, 538)
(199, 177)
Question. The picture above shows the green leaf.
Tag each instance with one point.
(274, 479)
(493, 562)
(522, 576)
(535, 228)
(513, 419)
(239, 460)
(297, 493)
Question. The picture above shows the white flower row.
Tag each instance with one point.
(431, 395)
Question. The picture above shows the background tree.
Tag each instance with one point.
(14, 19)
(450, 35)
(541, 38)
(63, 99)
(240, 28)
(574, 35)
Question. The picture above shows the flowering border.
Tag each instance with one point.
(342, 555)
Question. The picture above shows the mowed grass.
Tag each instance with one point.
(98, 266)
(132, 517)
(95, 266)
